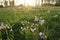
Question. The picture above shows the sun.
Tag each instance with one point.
(25, 2)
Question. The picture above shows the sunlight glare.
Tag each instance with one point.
(25, 2)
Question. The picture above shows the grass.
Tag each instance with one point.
(15, 15)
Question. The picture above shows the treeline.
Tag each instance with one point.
(5, 3)
(11, 3)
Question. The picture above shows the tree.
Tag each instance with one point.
(57, 2)
(5, 3)
(12, 3)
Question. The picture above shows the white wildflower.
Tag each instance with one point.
(42, 21)
(28, 22)
(1, 28)
(27, 27)
(45, 36)
(32, 25)
(41, 17)
(7, 26)
(36, 19)
(40, 34)
(48, 11)
(32, 30)
(22, 22)
(36, 24)
(56, 16)
(11, 30)
(2, 23)
(21, 27)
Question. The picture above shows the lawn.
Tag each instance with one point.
(20, 23)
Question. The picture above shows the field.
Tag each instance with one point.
(19, 23)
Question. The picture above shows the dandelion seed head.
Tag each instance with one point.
(42, 21)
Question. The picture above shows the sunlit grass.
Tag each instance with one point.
(16, 15)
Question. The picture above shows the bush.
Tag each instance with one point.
(1, 5)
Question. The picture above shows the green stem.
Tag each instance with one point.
(7, 34)
(0, 35)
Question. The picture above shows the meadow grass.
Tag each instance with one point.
(14, 15)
